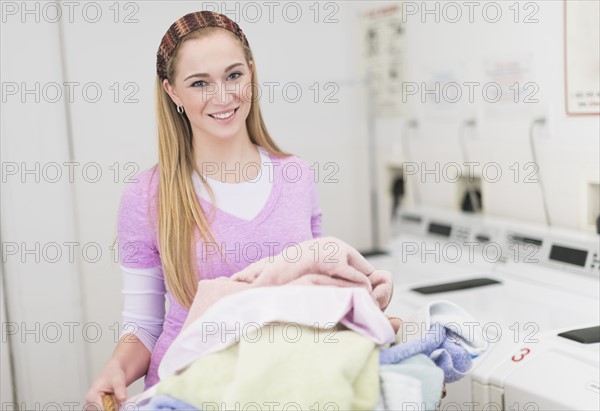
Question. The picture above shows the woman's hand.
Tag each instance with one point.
(338, 262)
(110, 381)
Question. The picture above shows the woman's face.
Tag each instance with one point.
(212, 83)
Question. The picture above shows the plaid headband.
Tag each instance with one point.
(186, 25)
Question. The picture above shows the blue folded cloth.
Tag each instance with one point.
(166, 402)
(440, 347)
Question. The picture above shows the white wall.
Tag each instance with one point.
(6, 380)
(46, 323)
(465, 51)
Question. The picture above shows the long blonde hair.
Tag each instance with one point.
(179, 212)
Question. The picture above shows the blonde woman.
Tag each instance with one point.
(222, 195)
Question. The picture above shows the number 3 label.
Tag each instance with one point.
(521, 355)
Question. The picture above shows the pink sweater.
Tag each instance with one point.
(291, 215)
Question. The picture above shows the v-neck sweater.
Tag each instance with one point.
(291, 215)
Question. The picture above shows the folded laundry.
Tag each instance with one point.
(414, 383)
(325, 261)
(398, 391)
(283, 369)
(231, 319)
(451, 357)
(443, 331)
(460, 326)
(166, 402)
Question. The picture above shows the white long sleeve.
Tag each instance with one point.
(143, 304)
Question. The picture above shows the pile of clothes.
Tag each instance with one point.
(309, 332)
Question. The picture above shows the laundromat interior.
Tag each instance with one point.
(448, 150)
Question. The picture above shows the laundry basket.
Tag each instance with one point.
(109, 403)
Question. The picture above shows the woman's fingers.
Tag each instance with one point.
(120, 389)
(251, 272)
(93, 404)
(107, 392)
(335, 249)
(382, 287)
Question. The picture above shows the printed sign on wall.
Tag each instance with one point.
(582, 59)
(383, 47)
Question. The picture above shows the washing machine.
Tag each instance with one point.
(519, 281)
(559, 372)
(429, 245)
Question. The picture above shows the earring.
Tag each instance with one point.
(180, 109)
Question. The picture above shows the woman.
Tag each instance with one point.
(253, 201)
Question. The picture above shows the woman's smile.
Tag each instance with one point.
(224, 116)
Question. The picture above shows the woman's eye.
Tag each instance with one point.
(198, 83)
(237, 74)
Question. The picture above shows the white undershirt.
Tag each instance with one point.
(144, 288)
(245, 199)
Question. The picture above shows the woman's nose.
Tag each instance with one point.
(224, 92)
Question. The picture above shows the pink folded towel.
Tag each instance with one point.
(319, 261)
